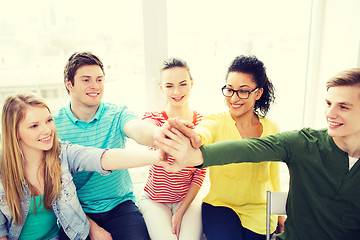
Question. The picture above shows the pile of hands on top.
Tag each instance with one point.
(178, 139)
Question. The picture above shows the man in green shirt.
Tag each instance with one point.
(324, 192)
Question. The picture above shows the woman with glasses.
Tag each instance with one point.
(235, 207)
(324, 192)
(167, 204)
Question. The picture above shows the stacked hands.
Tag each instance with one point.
(178, 139)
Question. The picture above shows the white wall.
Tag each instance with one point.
(339, 50)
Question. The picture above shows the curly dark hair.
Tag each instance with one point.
(252, 65)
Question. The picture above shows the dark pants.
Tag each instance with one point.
(223, 223)
(124, 222)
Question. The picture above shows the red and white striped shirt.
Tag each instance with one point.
(166, 187)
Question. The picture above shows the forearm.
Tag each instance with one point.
(97, 232)
(92, 223)
(4, 231)
(128, 158)
(189, 198)
(149, 132)
(146, 133)
(238, 151)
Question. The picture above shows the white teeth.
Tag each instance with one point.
(236, 105)
(177, 98)
(45, 139)
(334, 124)
(93, 94)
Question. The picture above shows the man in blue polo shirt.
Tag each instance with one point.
(108, 201)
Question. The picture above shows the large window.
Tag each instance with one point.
(302, 43)
(209, 35)
(37, 37)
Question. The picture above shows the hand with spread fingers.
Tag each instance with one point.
(176, 144)
(186, 128)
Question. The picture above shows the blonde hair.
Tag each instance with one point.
(12, 163)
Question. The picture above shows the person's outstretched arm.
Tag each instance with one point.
(113, 159)
(142, 132)
(269, 148)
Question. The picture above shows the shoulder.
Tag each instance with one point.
(109, 108)
(215, 120)
(63, 145)
(63, 148)
(157, 117)
(267, 121)
(114, 111)
(305, 135)
(313, 134)
(67, 149)
(218, 116)
(269, 124)
(153, 115)
(63, 158)
(59, 113)
(64, 118)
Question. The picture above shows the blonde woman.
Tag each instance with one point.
(36, 189)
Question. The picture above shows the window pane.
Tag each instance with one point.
(209, 35)
(38, 37)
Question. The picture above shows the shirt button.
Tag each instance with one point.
(67, 229)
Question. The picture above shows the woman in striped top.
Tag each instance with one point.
(168, 197)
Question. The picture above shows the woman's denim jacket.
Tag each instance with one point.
(67, 208)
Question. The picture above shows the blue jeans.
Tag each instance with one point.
(223, 223)
(124, 222)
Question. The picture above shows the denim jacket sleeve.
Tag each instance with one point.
(68, 210)
(3, 228)
(80, 158)
(4, 213)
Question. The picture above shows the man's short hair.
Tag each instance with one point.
(77, 60)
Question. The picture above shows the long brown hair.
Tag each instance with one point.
(12, 163)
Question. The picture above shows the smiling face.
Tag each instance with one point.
(241, 81)
(343, 111)
(176, 85)
(36, 130)
(88, 87)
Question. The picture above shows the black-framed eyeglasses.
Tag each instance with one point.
(243, 94)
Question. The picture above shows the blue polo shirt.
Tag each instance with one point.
(98, 193)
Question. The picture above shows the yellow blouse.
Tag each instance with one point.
(241, 187)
